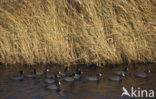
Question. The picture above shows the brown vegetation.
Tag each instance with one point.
(77, 31)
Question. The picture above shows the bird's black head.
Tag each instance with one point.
(78, 71)
(21, 72)
(58, 73)
(99, 75)
(147, 71)
(46, 70)
(65, 69)
(126, 69)
(34, 71)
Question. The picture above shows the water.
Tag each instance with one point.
(81, 89)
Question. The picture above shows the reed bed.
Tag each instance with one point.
(70, 32)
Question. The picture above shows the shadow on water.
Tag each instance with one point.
(79, 89)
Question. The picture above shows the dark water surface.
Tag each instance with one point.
(81, 89)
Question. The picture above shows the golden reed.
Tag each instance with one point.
(68, 32)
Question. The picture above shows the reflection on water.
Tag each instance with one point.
(81, 89)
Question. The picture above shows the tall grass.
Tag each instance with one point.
(77, 31)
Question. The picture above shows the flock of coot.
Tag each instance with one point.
(54, 80)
